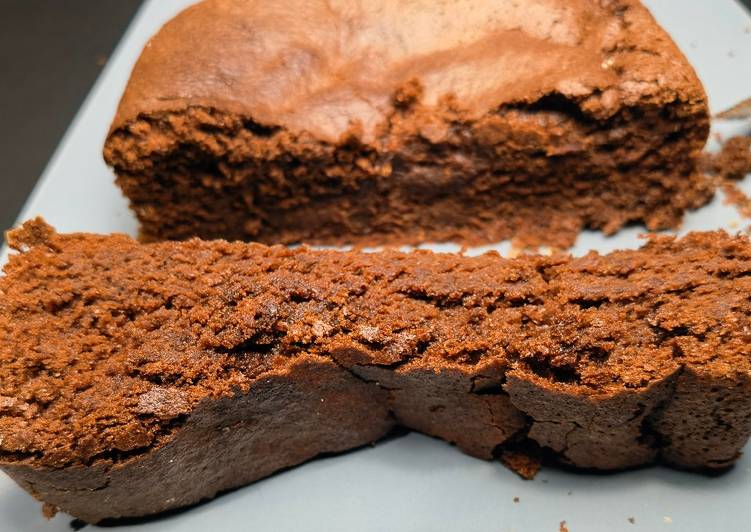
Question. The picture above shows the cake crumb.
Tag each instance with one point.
(730, 164)
(733, 161)
(49, 510)
(524, 462)
(632, 520)
(737, 198)
(562, 527)
(32, 233)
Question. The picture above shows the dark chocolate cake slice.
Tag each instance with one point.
(137, 378)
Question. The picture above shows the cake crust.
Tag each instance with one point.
(140, 378)
(322, 67)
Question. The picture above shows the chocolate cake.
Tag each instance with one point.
(367, 122)
(138, 378)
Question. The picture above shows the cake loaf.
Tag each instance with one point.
(138, 378)
(329, 121)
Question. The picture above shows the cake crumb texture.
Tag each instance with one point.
(733, 161)
(138, 378)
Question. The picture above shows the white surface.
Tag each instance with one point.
(416, 483)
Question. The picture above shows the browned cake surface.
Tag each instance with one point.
(138, 378)
(385, 121)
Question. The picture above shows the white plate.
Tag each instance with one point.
(416, 483)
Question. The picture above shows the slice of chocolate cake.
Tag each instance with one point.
(136, 378)
(383, 121)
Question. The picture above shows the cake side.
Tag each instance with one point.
(309, 408)
(130, 371)
(353, 125)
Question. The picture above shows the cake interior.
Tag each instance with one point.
(536, 172)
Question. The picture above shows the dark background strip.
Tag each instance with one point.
(51, 52)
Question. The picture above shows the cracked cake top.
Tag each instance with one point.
(331, 67)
